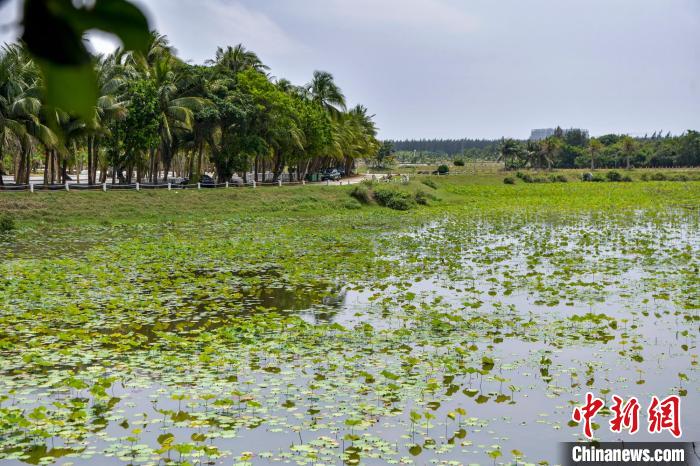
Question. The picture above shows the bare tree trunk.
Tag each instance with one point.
(47, 161)
(278, 167)
(151, 165)
(255, 169)
(96, 161)
(90, 141)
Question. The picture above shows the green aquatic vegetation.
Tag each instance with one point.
(435, 335)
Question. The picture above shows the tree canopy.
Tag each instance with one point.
(155, 115)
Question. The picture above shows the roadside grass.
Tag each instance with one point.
(482, 193)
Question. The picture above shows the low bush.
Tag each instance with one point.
(680, 178)
(525, 177)
(626, 179)
(394, 199)
(362, 193)
(644, 177)
(587, 177)
(597, 178)
(508, 180)
(430, 183)
(558, 179)
(7, 223)
(614, 176)
(459, 163)
(658, 177)
(351, 204)
(443, 169)
(421, 197)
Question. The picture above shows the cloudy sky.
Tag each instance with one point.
(466, 68)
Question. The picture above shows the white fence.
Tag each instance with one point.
(37, 187)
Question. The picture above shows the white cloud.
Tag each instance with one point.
(197, 27)
(437, 16)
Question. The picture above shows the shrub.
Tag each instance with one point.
(459, 163)
(421, 197)
(587, 176)
(613, 176)
(7, 223)
(558, 179)
(443, 169)
(508, 180)
(525, 177)
(658, 177)
(394, 199)
(644, 177)
(679, 178)
(520, 174)
(627, 179)
(430, 183)
(351, 204)
(597, 178)
(362, 193)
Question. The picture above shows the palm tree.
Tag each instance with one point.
(112, 81)
(237, 59)
(17, 74)
(629, 147)
(549, 151)
(161, 67)
(594, 148)
(324, 91)
(510, 150)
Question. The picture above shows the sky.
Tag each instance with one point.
(463, 68)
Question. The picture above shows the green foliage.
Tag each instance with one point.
(421, 197)
(508, 180)
(429, 182)
(459, 162)
(53, 33)
(443, 169)
(7, 223)
(614, 176)
(362, 193)
(394, 198)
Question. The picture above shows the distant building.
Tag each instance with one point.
(544, 133)
(540, 134)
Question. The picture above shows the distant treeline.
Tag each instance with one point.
(574, 149)
(431, 150)
(565, 149)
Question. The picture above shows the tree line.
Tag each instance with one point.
(445, 147)
(156, 115)
(575, 149)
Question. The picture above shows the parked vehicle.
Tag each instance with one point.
(330, 175)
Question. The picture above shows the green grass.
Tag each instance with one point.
(481, 193)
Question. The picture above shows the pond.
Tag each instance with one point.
(465, 340)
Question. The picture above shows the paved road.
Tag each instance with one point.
(343, 182)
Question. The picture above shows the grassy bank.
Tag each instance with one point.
(481, 193)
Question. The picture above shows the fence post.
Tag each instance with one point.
(31, 187)
(138, 187)
(199, 185)
(170, 186)
(67, 186)
(227, 185)
(254, 184)
(279, 183)
(104, 187)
